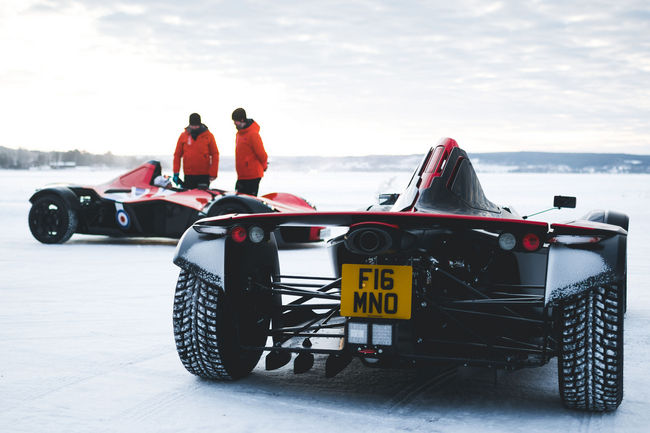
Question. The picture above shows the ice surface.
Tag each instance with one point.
(86, 339)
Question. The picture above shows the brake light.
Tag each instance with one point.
(238, 234)
(530, 242)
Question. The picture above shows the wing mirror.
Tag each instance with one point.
(560, 201)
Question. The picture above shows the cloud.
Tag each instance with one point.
(374, 66)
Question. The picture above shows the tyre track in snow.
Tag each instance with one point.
(411, 392)
(156, 404)
(70, 382)
(231, 397)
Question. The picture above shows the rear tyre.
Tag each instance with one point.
(590, 357)
(211, 326)
(609, 217)
(617, 219)
(51, 220)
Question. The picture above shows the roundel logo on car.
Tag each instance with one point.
(121, 216)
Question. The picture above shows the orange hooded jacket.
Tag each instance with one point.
(250, 157)
(200, 156)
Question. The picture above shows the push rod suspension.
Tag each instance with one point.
(474, 290)
(282, 290)
(294, 330)
(333, 285)
(496, 316)
(305, 277)
(500, 301)
(537, 349)
(307, 325)
(454, 319)
(309, 307)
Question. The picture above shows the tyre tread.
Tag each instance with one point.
(195, 327)
(590, 359)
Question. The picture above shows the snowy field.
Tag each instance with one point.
(86, 340)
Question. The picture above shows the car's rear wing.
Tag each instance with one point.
(409, 220)
(587, 228)
(202, 248)
(405, 220)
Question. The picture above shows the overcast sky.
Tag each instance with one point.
(348, 77)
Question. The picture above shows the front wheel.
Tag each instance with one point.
(212, 327)
(51, 220)
(590, 358)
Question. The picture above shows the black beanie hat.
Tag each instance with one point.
(195, 119)
(239, 115)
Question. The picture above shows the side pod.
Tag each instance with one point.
(65, 193)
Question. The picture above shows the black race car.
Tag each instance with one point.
(443, 277)
(142, 202)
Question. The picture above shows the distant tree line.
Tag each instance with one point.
(24, 159)
(523, 162)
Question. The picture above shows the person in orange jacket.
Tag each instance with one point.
(251, 159)
(198, 149)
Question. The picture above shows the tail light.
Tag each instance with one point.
(238, 234)
(530, 242)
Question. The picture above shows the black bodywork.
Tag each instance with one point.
(96, 214)
(488, 287)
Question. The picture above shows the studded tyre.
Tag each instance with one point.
(51, 220)
(590, 358)
(211, 326)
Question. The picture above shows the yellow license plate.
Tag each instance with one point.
(376, 291)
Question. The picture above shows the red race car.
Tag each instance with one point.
(134, 204)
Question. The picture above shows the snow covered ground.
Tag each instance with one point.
(86, 341)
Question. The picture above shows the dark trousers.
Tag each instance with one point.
(192, 181)
(248, 186)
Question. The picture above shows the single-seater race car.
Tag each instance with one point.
(443, 277)
(133, 205)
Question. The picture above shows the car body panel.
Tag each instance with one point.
(132, 205)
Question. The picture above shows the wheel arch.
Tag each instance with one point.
(589, 265)
(213, 257)
(65, 193)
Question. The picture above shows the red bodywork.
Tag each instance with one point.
(139, 182)
(437, 161)
(133, 205)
